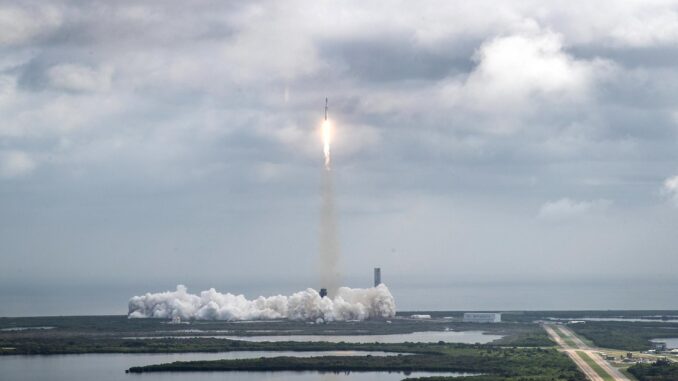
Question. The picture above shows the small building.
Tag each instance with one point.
(420, 316)
(659, 346)
(482, 317)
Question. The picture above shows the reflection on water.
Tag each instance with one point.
(111, 367)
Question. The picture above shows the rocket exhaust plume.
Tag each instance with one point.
(329, 243)
(327, 139)
(341, 303)
(348, 304)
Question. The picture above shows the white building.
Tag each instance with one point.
(482, 317)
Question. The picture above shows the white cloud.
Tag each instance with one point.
(670, 189)
(566, 208)
(630, 24)
(151, 101)
(656, 29)
(15, 164)
(514, 71)
(19, 25)
(80, 78)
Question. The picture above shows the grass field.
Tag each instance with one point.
(566, 338)
(594, 365)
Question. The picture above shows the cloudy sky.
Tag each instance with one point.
(145, 144)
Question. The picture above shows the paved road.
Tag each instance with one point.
(583, 366)
(580, 346)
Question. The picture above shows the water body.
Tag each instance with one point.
(111, 367)
(466, 337)
(16, 329)
(671, 343)
(620, 319)
(52, 299)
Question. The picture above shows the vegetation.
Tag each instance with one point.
(530, 316)
(662, 370)
(594, 365)
(622, 335)
(173, 345)
(629, 336)
(519, 329)
(81, 345)
(525, 336)
(519, 356)
(566, 338)
(507, 363)
(117, 334)
(489, 377)
(120, 325)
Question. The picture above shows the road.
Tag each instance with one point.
(571, 344)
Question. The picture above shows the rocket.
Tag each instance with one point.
(326, 108)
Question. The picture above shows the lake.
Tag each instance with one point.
(111, 367)
(620, 319)
(671, 343)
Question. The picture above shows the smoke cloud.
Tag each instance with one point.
(348, 304)
(329, 243)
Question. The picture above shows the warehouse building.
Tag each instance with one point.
(482, 317)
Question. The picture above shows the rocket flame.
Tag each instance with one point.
(327, 132)
(329, 243)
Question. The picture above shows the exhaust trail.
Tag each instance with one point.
(329, 242)
(327, 139)
(339, 304)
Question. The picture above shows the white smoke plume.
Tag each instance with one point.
(329, 241)
(348, 304)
